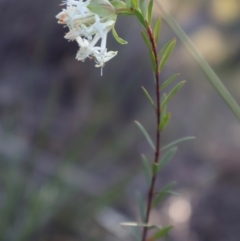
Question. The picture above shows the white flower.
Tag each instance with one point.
(88, 28)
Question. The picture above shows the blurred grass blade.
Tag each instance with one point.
(211, 75)
(166, 157)
(172, 93)
(146, 169)
(166, 54)
(168, 81)
(133, 230)
(160, 233)
(145, 134)
(156, 29)
(13, 194)
(178, 141)
(141, 206)
(149, 97)
(160, 195)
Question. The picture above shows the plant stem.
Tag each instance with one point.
(158, 113)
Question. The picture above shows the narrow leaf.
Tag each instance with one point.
(128, 3)
(141, 206)
(146, 40)
(145, 134)
(118, 39)
(134, 4)
(153, 62)
(148, 97)
(163, 98)
(101, 7)
(143, 7)
(164, 108)
(165, 47)
(178, 141)
(172, 93)
(125, 12)
(160, 233)
(155, 168)
(156, 29)
(166, 157)
(164, 121)
(140, 18)
(168, 81)
(160, 195)
(163, 113)
(150, 6)
(118, 4)
(146, 169)
(166, 54)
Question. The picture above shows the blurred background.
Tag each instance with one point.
(69, 148)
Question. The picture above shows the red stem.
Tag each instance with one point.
(157, 151)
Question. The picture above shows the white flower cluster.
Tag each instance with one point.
(87, 28)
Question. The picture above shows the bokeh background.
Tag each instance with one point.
(69, 148)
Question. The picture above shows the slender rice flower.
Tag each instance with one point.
(89, 23)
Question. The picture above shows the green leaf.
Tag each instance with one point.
(153, 62)
(140, 18)
(156, 29)
(134, 4)
(155, 168)
(164, 96)
(172, 93)
(166, 46)
(145, 134)
(168, 81)
(178, 141)
(164, 108)
(146, 40)
(146, 169)
(150, 7)
(118, 39)
(164, 121)
(211, 75)
(143, 8)
(160, 233)
(125, 12)
(149, 97)
(141, 206)
(101, 7)
(118, 4)
(166, 54)
(160, 195)
(128, 3)
(166, 157)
